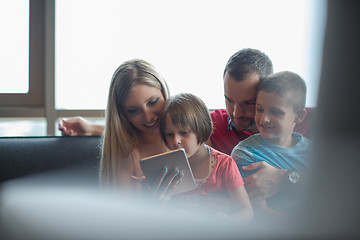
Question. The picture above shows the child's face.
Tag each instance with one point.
(178, 137)
(275, 117)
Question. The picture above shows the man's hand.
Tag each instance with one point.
(78, 126)
(266, 182)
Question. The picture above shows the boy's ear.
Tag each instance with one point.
(300, 116)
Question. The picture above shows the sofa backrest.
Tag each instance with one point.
(22, 156)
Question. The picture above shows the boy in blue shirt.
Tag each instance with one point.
(280, 105)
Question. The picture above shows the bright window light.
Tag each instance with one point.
(14, 46)
(188, 41)
(10, 127)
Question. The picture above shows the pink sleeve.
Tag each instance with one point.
(231, 175)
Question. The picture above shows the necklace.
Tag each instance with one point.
(200, 182)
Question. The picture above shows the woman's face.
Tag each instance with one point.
(143, 106)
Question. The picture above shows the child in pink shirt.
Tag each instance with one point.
(185, 122)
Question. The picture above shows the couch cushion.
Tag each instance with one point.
(21, 156)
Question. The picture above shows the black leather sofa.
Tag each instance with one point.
(64, 157)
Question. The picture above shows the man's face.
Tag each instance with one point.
(240, 100)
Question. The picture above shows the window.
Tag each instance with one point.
(14, 46)
(22, 127)
(68, 50)
(188, 41)
(22, 57)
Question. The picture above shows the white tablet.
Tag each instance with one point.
(174, 160)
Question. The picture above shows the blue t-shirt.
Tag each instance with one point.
(256, 148)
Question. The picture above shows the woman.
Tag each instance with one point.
(136, 97)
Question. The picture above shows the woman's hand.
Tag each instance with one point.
(164, 186)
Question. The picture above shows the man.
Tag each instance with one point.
(241, 78)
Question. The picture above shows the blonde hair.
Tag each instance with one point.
(120, 136)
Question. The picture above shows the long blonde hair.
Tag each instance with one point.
(120, 136)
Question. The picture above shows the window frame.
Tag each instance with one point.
(35, 97)
(40, 99)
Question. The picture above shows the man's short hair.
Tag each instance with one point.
(286, 84)
(248, 61)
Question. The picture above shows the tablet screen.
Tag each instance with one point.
(174, 160)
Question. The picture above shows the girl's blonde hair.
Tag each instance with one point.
(120, 136)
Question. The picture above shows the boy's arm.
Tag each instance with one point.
(242, 158)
